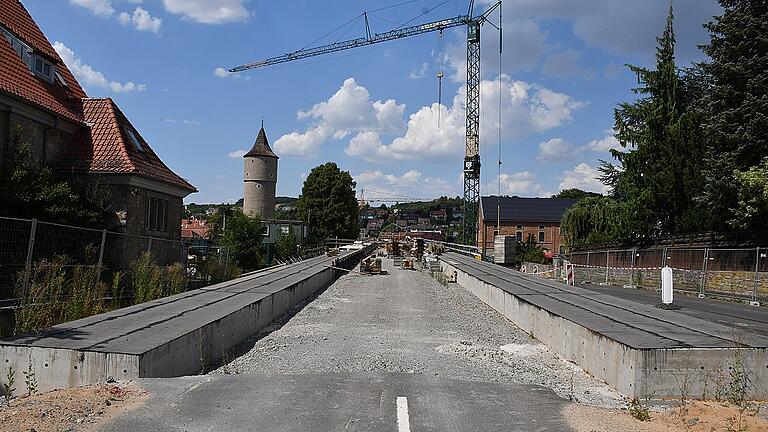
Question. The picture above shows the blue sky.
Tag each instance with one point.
(373, 110)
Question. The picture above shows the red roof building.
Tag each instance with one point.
(81, 136)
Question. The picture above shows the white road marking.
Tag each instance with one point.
(403, 422)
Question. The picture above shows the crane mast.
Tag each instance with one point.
(471, 169)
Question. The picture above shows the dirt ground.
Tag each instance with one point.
(699, 416)
(78, 409)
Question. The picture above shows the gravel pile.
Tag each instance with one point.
(406, 322)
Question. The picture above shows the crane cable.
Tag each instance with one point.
(440, 75)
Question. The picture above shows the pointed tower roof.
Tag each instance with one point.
(261, 146)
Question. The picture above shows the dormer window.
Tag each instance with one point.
(134, 139)
(44, 69)
(36, 64)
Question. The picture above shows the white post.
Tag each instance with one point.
(666, 285)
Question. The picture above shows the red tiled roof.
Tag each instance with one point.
(106, 148)
(17, 80)
(194, 229)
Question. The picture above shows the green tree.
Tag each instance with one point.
(660, 168)
(597, 220)
(574, 193)
(736, 105)
(28, 190)
(752, 206)
(242, 238)
(328, 201)
(286, 244)
(529, 251)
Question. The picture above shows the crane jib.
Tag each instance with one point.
(358, 42)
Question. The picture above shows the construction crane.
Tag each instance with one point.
(472, 147)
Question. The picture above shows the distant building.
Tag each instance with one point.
(538, 218)
(259, 178)
(440, 215)
(195, 229)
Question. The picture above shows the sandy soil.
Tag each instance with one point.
(75, 410)
(706, 416)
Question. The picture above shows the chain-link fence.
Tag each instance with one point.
(741, 273)
(24, 242)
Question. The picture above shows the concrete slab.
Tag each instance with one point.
(174, 336)
(637, 348)
(340, 402)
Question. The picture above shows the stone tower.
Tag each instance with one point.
(260, 178)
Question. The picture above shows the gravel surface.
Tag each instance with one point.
(406, 322)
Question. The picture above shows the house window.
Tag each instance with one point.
(541, 236)
(60, 79)
(519, 236)
(519, 227)
(44, 68)
(156, 217)
(134, 139)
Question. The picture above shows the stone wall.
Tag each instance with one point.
(736, 283)
(45, 141)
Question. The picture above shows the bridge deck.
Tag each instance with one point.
(173, 336)
(137, 329)
(636, 325)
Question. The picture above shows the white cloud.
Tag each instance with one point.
(526, 109)
(555, 149)
(223, 73)
(419, 73)
(410, 183)
(98, 7)
(604, 144)
(208, 11)
(349, 111)
(521, 183)
(237, 154)
(141, 20)
(183, 121)
(91, 77)
(622, 27)
(585, 177)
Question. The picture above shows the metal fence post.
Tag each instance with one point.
(30, 250)
(101, 248)
(31, 244)
(632, 268)
(664, 258)
(757, 275)
(702, 293)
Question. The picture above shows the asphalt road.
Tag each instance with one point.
(739, 316)
(341, 402)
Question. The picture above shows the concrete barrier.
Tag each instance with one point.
(179, 335)
(639, 350)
